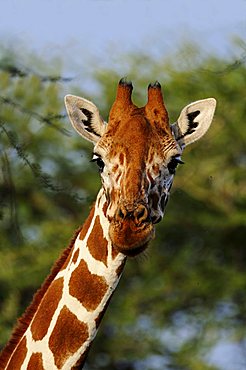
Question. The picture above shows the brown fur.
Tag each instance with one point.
(105, 208)
(35, 362)
(46, 310)
(97, 244)
(88, 288)
(75, 257)
(115, 252)
(19, 356)
(155, 110)
(63, 342)
(134, 132)
(26, 318)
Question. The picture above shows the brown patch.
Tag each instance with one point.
(26, 318)
(67, 337)
(35, 362)
(105, 208)
(156, 112)
(18, 356)
(87, 224)
(156, 169)
(115, 252)
(97, 244)
(151, 156)
(75, 256)
(115, 168)
(88, 288)
(43, 317)
(112, 196)
(121, 158)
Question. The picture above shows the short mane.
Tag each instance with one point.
(25, 320)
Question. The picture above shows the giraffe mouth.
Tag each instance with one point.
(130, 239)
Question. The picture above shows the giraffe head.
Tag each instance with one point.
(137, 153)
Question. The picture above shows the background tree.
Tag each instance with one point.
(187, 293)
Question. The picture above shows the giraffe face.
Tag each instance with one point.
(137, 174)
(137, 153)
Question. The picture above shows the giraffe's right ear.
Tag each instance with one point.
(85, 118)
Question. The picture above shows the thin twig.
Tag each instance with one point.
(48, 119)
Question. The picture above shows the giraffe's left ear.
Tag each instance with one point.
(194, 121)
(85, 118)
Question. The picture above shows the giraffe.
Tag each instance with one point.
(137, 153)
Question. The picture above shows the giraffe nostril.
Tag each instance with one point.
(122, 213)
(141, 213)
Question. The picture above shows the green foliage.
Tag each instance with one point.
(44, 187)
(174, 304)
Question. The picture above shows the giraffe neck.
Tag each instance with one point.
(68, 315)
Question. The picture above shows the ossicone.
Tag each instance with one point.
(155, 108)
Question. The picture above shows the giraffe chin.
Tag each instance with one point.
(131, 241)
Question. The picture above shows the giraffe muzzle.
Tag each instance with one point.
(131, 229)
(138, 213)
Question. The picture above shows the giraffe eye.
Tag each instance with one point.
(174, 161)
(98, 159)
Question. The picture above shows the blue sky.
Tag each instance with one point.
(79, 30)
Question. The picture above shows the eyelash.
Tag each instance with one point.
(174, 161)
(97, 158)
